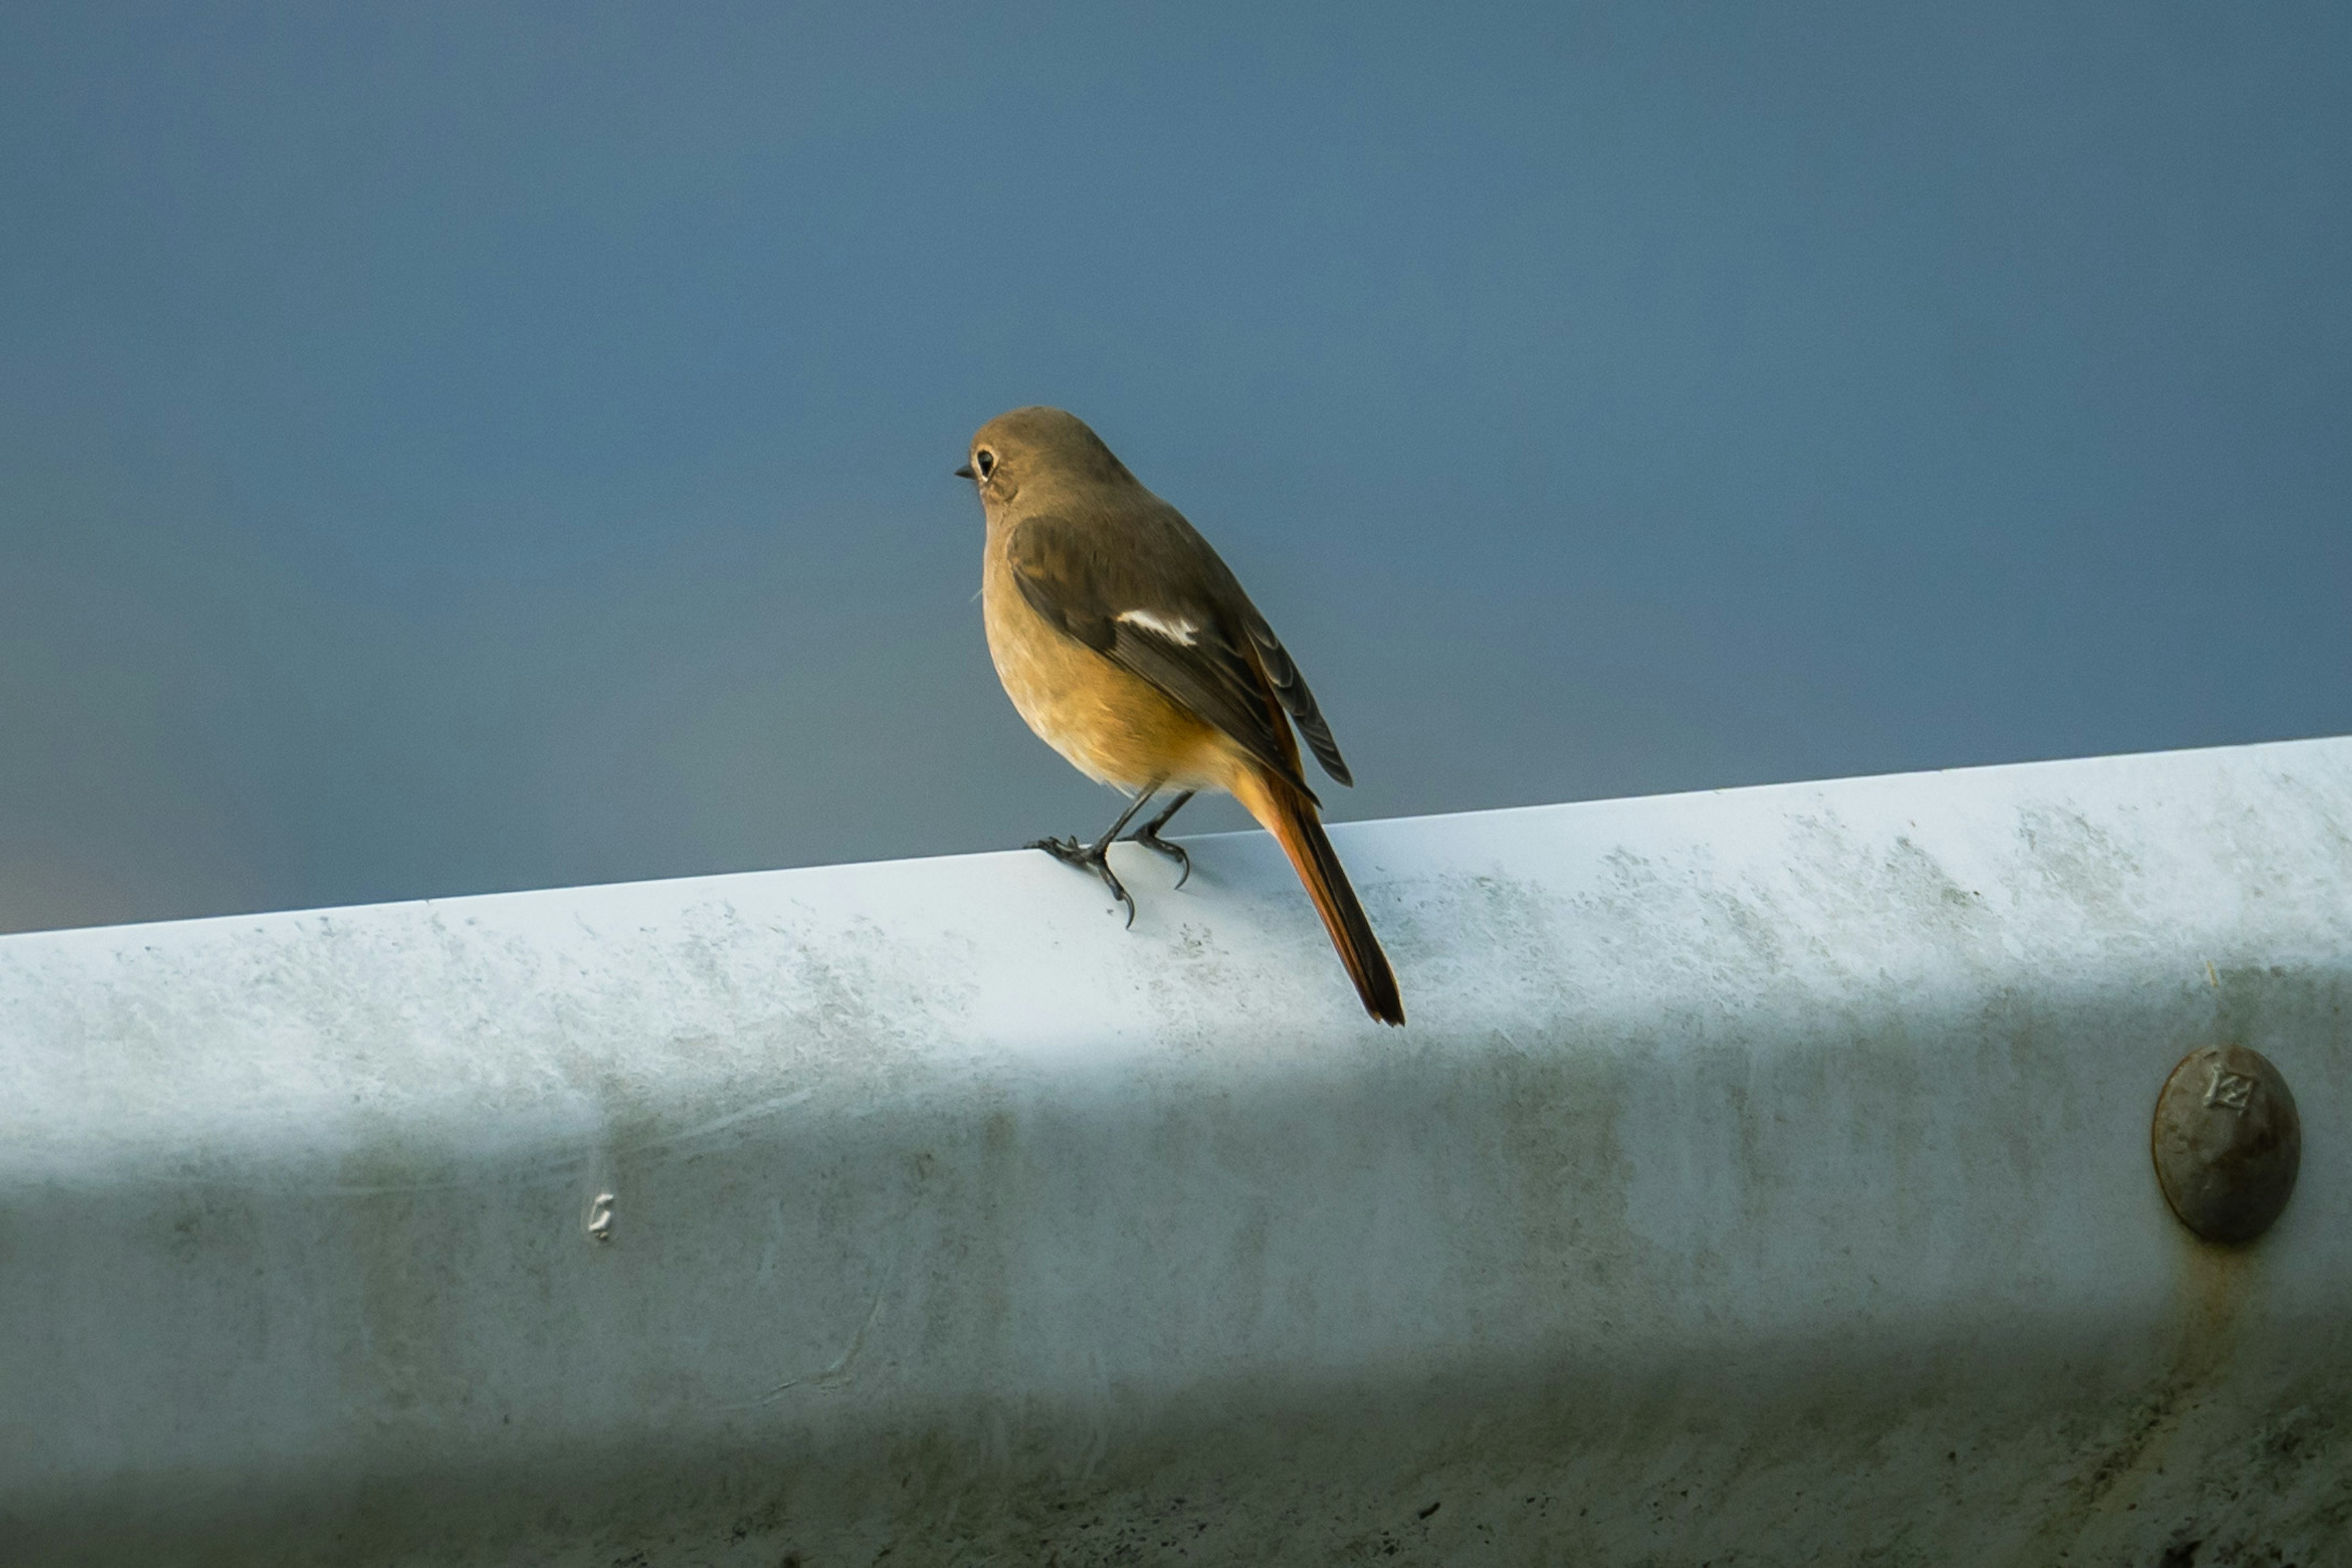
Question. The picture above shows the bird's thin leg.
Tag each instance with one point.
(1096, 857)
(1148, 837)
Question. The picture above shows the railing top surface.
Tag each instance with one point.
(1726, 909)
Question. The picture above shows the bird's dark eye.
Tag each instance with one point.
(986, 461)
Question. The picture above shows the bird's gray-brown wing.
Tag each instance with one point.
(1148, 594)
(1296, 699)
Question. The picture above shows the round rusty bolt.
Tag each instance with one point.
(2226, 1143)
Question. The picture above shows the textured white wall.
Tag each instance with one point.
(1762, 1173)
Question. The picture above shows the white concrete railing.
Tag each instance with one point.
(1762, 1173)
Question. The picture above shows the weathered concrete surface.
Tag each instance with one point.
(1764, 1178)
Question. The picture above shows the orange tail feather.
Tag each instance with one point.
(1287, 814)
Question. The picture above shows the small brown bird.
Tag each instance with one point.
(1131, 648)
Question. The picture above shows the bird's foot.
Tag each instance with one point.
(1151, 839)
(1095, 858)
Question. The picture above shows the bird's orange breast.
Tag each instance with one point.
(1112, 725)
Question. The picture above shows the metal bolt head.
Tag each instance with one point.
(2226, 1143)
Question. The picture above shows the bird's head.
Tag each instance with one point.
(1038, 451)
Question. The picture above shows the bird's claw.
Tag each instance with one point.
(1087, 858)
(1159, 845)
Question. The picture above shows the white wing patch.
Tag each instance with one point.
(1183, 632)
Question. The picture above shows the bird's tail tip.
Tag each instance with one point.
(1291, 817)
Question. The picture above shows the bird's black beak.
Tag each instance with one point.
(965, 472)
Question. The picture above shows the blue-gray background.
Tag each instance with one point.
(461, 448)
